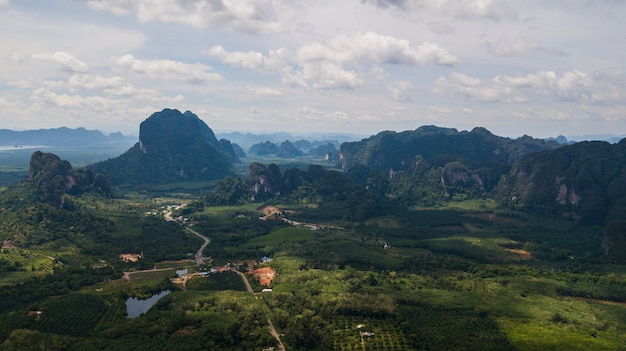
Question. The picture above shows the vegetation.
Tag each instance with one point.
(423, 258)
(173, 147)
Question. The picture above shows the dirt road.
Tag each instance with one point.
(269, 322)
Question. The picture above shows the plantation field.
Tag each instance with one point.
(464, 277)
(289, 234)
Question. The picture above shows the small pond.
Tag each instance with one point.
(136, 307)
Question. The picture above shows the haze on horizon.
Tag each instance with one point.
(356, 66)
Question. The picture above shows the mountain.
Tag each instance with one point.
(51, 178)
(263, 148)
(61, 137)
(585, 181)
(248, 139)
(432, 165)
(42, 207)
(610, 138)
(173, 146)
(392, 150)
(287, 149)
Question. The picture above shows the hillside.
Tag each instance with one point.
(585, 181)
(438, 146)
(173, 146)
(432, 165)
(37, 210)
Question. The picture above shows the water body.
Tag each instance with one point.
(136, 307)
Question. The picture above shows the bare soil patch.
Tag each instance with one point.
(524, 255)
(264, 275)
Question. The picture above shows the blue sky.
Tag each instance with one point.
(540, 68)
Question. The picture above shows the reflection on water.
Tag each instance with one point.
(136, 307)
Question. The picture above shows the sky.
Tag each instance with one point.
(515, 67)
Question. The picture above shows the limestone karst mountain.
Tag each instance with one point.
(173, 146)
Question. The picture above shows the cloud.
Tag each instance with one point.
(463, 9)
(323, 75)
(265, 91)
(572, 86)
(321, 65)
(67, 61)
(450, 110)
(167, 69)
(440, 28)
(45, 97)
(113, 86)
(476, 89)
(249, 16)
(400, 91)
(509, 48)
(371, 47)
(274, 61)
(506, 48)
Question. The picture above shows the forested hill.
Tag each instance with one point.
(438, 146)
(585, 181)
(173, 146)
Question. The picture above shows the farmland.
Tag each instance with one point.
(466, 277)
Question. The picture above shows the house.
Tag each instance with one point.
(182, 272)
(266, 259)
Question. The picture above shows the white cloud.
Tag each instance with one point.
(265, 91)
(44, 97)
(371, 47)
(108, 86)
(451, 110)
(401, 90)
(274, 61)
(519, 47)
(507, 48)
(323, 75)
(463, 9)
(248, 16)
(67, 61)
(573, 86)
(167, 69)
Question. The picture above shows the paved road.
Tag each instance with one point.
(206, 242)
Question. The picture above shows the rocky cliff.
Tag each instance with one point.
(173, 146)
(52, 178)
(585, 181)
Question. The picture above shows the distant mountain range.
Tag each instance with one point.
(61, 137)
(429, 166)
(246, 140)
(64, 136)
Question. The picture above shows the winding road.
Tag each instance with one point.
(168, 217)
(206, 242)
